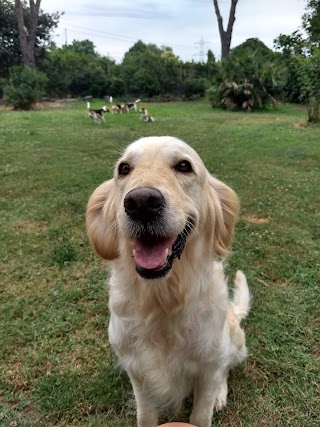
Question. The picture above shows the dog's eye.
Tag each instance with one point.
(183, 166)
(124, 168)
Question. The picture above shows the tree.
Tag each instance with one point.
(27, 36)
(250, 46)
(84, 46)
(309, 79)
(9, 43)
(294, 48)
(10, 50)
(225, 35)
(77, 73)
(293, 44)
(311, 22)
(148, 70)
(302, 58)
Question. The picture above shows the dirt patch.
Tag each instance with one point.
(45, 105)
(37, 106)
(256, 219)
(5, 108)
(300, 125)
(30, 226)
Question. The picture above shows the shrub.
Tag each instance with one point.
(248, 82)
(25, 87)
(195, 87)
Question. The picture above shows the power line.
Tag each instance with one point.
(105, 35)
(99, 33)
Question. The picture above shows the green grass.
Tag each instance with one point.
(56, 365)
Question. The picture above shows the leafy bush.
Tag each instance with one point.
(248, 81)
(195, 87)
(25, 87)
(234, 96)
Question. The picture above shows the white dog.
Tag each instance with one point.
(166, 224)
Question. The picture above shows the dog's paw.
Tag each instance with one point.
(221, 399)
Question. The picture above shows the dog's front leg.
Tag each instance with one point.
(146, 415)
(206, 388)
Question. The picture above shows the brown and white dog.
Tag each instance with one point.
(119, 108)
(145, 115)
(97, 115)
(124, 108)
(116, 109)
(166, 224)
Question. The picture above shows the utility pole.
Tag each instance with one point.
(66, 36)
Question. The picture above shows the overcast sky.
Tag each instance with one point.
(115, 25)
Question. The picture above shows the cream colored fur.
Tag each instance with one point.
(180, 333)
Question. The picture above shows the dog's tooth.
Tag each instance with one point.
(166, 252)
(133, 252)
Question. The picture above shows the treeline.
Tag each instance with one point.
(145, 71)
(251, 77)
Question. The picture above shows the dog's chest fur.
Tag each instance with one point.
(167, 350)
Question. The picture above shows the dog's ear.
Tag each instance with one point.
(101, 221)
(221, 216)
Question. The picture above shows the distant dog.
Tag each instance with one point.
(145, 115)
(116, 109)
(97, 115)
(132, 106)
(124, 108)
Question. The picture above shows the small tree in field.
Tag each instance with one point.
(302, 56)
(25, 87)
(309, 76)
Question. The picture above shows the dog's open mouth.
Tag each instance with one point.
(154, 256)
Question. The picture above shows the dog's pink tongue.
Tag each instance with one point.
(150, 254)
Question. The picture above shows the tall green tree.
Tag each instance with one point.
(84, 46)
(302, 56)
(148, 70)
(311, 22)
(293, 50)
(77, 69)
(293, 44)
(10, 49)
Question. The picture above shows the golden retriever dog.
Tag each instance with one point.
(166, 225)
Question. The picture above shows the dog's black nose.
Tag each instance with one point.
(144, 203)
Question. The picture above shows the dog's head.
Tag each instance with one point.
(160, 200)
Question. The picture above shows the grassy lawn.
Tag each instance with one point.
(56, 367)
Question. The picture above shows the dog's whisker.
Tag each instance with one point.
(117, 147)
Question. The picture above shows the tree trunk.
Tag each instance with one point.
(225, 35)
(27, 37)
